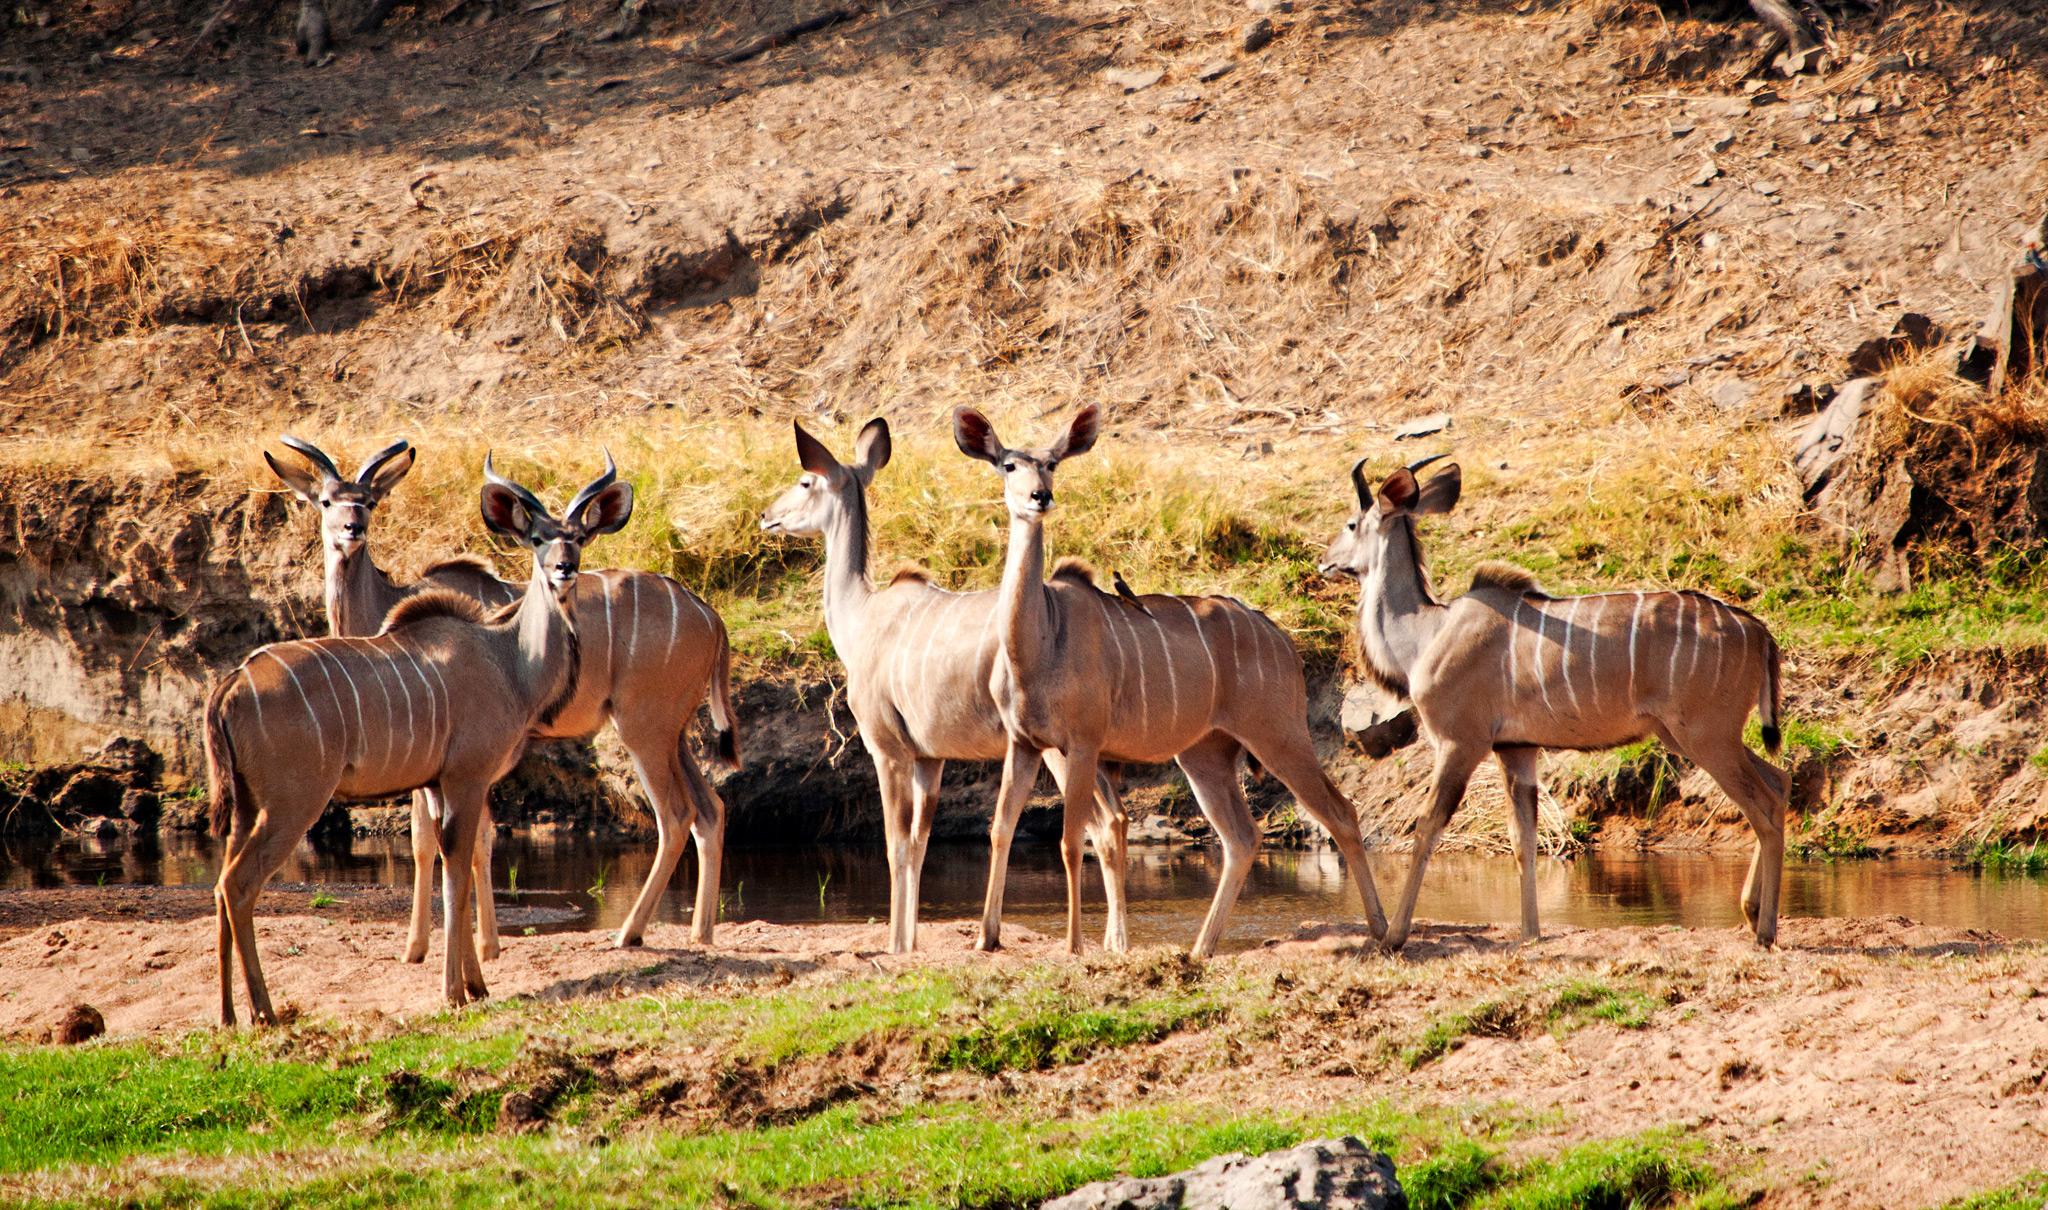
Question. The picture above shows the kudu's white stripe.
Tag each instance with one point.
(924, 663)
(1172, 677)
(1677, 635)
(633, 620)
(611, 632)
(1144, 673)
(412, 726)
(1215, 680)
(340, 719)
(1542, 679)
(1514, 648)
(1595, 640)
(256, 698)
(1236, 647)
(1571, 628)
(1692, 666)
(433, 703)
(1635, 618)
(669, 589)
(319, 732)
(377, 661)
(1110, 613)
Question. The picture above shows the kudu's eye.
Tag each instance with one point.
(1009, 467)
(1351, 526)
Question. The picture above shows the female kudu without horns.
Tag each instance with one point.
(292, 727)
(1508, 670)
(918, 662)
(650, 650)
(1093, 677)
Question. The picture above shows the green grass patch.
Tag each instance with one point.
(1581, 1001)
(224, 1092)
(2027, 1193)
(1660, 1168)
(1487, 1019)
(2008, 857)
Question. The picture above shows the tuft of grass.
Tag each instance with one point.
(1065, 1035)
(1656, 1169)
(1582, 1000)
(1453, 1176)
(2039, 760)
(1487, 1019)
(2008, 857)
(322, 899)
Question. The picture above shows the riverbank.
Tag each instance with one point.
(1863, 1060)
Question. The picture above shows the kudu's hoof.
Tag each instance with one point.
(629, 943)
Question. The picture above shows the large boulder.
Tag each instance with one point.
(1326, 1174)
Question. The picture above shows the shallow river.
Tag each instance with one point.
(1170, 887)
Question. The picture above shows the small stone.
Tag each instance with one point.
(1764, 96)
(1423, 426)
(1133, 81)
(1563, 170)
(1473, 151)
(1864, 106)
(1706, 173)
(1215, 70)
(1257, 35)
(1767, 188)
(1270, 6)
(1681, 129)
(1720, 141)
(1733, 393)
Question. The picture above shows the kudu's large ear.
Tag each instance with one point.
(1361, 485)
(303, 482)
(1399, 493)
(976, 437)
(871, 450)
(382, 473)
(607, 512)
(1080, 435)
(812, 454)
(1441, 492)
(505, 514)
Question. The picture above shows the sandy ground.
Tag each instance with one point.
(1864, 1060)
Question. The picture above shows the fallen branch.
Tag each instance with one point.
(757, 47)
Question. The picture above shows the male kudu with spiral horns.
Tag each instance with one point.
(1508, 670)
(651, 651)
(299, 723)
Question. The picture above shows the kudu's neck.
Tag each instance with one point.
(543, 645)
(358, 594)
(847, 587)
(1026, 606)
(1397, 614)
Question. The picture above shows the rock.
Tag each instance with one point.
(1327, 1174)
(1721, 140)
(1823, 445)
(1155, 829)
(1474, 151)
(1733, 394)
(80, 1023)
(129, 759)
(89, 792)
(1133, 81)
(141, 807)
(1257, 35)
(1767, 188)
(1706, 173)
(104, 826)
(1423, 426)
(1215, 70)
(1270, 6)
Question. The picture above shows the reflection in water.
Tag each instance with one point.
(1170, 887)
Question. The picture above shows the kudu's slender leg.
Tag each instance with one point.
(426, 846)
(462, 810)
(1520, 766)
(894, 776)
(247, 868)
(709, 832)
(1077, 813)
(925, 773)
(655, 759)
(1759, 788)
(1211, 768)
(1455, 761)
(227, 956)
(1020, 775)
(486, 900)
(1110, 830)
(1293, 760)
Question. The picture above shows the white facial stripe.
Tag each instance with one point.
(1635, 618)
(1571, 630)
(319, 732)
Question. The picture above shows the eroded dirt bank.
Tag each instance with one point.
(1863, 1060)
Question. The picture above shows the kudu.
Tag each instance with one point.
(1092, 677)
(444, 699)
(918, 661)
(1509, 670)
(650, 652)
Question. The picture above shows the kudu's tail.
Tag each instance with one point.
(725, 725)
(228, 793)
(1768, 699)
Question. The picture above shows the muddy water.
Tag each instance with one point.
(576, 882)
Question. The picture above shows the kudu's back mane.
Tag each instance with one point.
(469, 563)
(1074, 571)
(433, 603)
(1507, 577)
